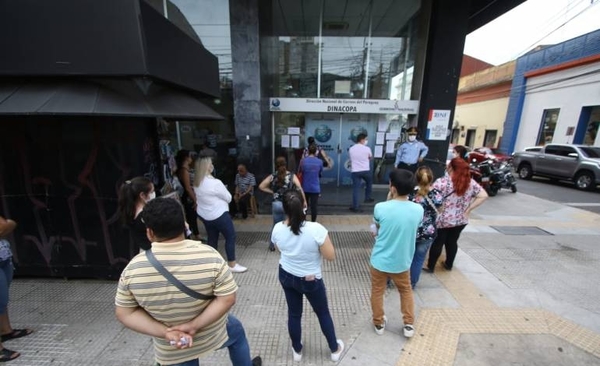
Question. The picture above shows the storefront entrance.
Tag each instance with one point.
(336, 132)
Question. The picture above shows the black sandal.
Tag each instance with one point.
(8, 355)
(16, 333)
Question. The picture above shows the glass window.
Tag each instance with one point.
(289, 137)
(591, 152)
(335, 49)
(566, 150)
(548, 125)
(554, 150)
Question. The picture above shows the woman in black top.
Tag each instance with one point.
(133, 196)
(184, 160)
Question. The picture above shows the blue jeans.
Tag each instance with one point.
(6, 275)
(278, 215)
(356, 180)
(421, 249)
(222, 225)
(237, 344)
(277, 210)
(297, 287)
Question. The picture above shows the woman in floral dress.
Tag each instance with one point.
(461, 196)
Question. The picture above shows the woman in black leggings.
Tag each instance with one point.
(461, 196)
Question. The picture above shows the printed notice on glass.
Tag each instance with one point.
(383, 125)
(389, 147)
(295, 141)
(392, 136)
(380, 138)
(437, 124)
(378, 151)
(285, 140)
(293, 130)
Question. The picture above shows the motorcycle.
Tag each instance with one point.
(492, 176)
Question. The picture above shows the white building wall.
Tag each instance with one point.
(569, 90)
(482, 116)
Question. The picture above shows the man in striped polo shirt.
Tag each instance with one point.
(184, 328)
(244, 189)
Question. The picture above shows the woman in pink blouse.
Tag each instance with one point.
(461, 196)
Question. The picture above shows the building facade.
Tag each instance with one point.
(555, 96)
(481, 106)
(376, 66)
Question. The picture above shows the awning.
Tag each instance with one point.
(139, 97)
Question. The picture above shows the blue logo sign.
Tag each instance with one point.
(323, 133)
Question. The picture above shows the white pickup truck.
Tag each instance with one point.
(577, 163)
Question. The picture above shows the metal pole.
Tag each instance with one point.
(320, 49)
(339, 159)
(406, 55)
(165, 11)
(178, 135)
(274, 137)
(366, 93)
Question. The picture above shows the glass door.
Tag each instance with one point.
(353, 125)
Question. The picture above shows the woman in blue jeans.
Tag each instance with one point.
(431, 200)
(277, 184)
(302, 245)
(212, 206)
(7, 332)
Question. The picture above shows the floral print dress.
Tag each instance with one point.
(453, 213)
(431, 204)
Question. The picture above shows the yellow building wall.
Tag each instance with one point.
(480, 116)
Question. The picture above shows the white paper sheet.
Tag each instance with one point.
(293, 130)
(392, 136)
(383, 125)
(295, 141)
(380, 138)
(285, 140)
(378, 151)
(389, 147)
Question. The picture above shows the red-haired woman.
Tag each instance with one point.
(461, 196)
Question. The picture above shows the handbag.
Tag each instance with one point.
(174, 281)
(325, 162)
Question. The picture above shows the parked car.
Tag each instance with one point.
(577, 163)
(494, 154)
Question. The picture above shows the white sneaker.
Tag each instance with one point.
(297, 356)
(238, 268)
(409, 330)
(380, 329)
(335, 357)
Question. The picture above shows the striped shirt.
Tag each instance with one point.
(244, 182)
(196, 265)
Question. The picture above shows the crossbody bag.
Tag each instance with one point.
(174, 281)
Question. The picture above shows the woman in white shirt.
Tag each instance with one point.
(303, 245)
(212, 199)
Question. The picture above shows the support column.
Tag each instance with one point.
(446, 31)
(245, 51)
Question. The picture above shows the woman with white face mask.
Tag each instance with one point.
(133, 196)
(212, 199)
(411, 153)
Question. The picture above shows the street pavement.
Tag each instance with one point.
(524, 291)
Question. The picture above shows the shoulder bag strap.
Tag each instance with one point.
(174, 281)
(430, 203)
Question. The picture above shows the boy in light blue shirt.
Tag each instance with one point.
(397, 221)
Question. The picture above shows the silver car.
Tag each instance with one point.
(578, 163)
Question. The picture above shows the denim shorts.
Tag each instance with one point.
(6, 275)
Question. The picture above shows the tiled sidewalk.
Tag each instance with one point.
(518, 292)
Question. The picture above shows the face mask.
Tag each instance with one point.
(366, 142)
(151, 196)
(454, 154)
(412, 138)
